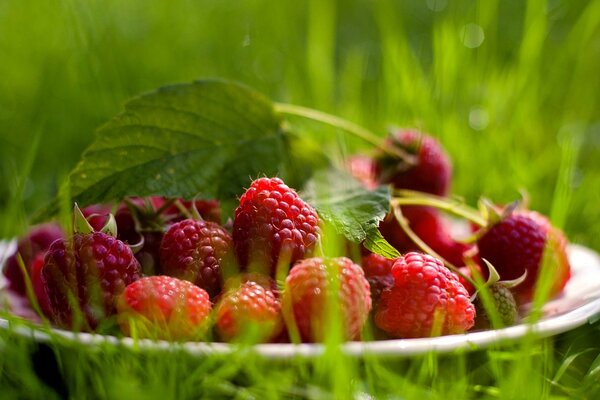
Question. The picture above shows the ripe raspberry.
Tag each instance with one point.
(505, 307)
(431, 173)
(305, 297)
(273, 225)
(378, 271)
(36, 241)
(249, 311)
(197, 251)
(428, 224)
(364, 169)
(516, 244)
(426, 300)
(39, 289)
(163, 307)
(84, 274)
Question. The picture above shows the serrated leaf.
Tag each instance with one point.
(376, 243)
(353, 210)
(205, 139)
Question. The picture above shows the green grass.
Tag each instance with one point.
(520, 111)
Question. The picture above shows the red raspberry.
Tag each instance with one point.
(36, 241)
(163, 307)
(89, 270)
(364, 169)
(428, 224)
(197, 251)
(273, 225)
(251, 312)
(431, 173)
(305, 296)
(426, 300)
(516, 244)
(378, 271)
(39, 289)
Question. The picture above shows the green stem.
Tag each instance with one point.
(412, 198)
(424, 246)
(350, 127)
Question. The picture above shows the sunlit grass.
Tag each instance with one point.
(518, 110)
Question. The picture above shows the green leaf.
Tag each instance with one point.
(353, 210)
(205, 139)
(376, 243)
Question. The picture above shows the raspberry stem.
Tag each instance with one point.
(350, 127)
(412, 198)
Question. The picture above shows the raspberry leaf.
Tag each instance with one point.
(354, 211)
(197, 139)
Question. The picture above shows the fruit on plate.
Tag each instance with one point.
(429, 225)
(429, 171)
(249, 312)
(197, 251)
(318, 290)
(273, 227)
(504, 307)
(37, 240)
(378, 271)
(83, 274)
(525, 241)
(426, 300)
(164, 307)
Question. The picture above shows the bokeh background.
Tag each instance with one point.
(510, 87)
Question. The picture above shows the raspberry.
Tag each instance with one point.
(428, 224)
(39, 289)
(197, 251)
(305, 297)
(378, 271)
(505, 307)
(516, 244)
(249, 311)
(163, 307)
(84, 274)
(36, 241)
(364, 169)
(432, 172)
(273, 225)
(426, 300)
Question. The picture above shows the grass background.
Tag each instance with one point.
(511, 88)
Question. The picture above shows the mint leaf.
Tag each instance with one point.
(205, 139)
(353, 210)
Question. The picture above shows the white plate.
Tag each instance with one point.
(577, 305)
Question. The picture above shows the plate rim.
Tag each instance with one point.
(469, 341)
